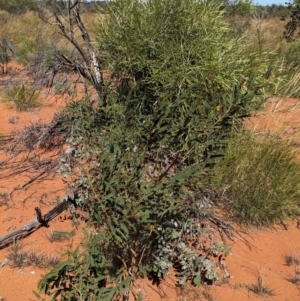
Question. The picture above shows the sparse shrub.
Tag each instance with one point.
(178, 85)
(260, 178)
(22, 98)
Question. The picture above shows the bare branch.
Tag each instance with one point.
(37, 222)
(68, 20)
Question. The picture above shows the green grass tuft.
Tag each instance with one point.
(260, 179)
(22, 98)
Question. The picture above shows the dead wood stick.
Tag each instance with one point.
(16, 172)
(37, 222)
(26, 184)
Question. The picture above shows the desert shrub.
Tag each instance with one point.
(22, 98)
(260, 179)
(178, 86)
(241, 26)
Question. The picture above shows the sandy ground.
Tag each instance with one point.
(264, 261)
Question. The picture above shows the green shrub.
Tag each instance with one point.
(22, 98)
(177, 88)
(260, 178)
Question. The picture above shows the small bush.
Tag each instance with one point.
(22, 98)
(261, 180)
(178, 85)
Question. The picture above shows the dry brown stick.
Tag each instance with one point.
(26, 184)
(16, 172)
(36, 223)
(25, 199)
(30, 181)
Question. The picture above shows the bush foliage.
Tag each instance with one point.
(179, 84)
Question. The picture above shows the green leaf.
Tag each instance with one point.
(197, 280)
(54, 272)
(183, 280)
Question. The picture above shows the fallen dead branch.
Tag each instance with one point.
(36, 223)
(35, 151)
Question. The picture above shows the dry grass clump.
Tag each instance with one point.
(292, 259)
(20, 257)
(261, 288)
